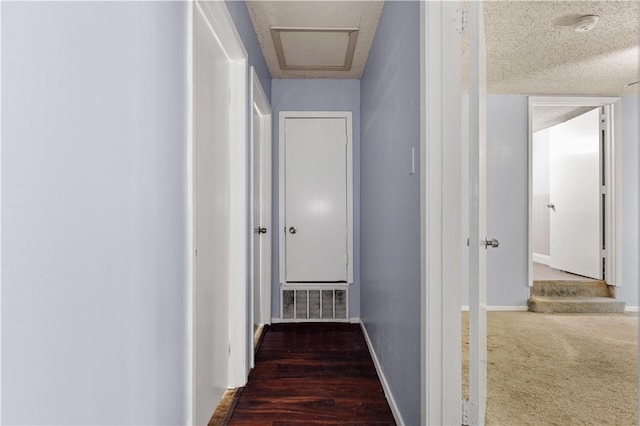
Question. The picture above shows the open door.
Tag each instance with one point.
(479, 243)
(575, 206)
(605, 181)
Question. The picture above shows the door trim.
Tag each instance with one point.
(260, 101)
(222, 27)
(613, 211)
(347, 115)
(440, 212)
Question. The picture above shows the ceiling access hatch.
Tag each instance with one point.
(314, 49)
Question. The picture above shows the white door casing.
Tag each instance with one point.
(316, 185)
(260, 225)
(441, 26)
(216, 209)
(611, 126)
(478, 238)
(575, 196)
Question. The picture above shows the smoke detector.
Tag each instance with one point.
(585, 23)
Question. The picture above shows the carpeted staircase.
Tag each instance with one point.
(573, 297)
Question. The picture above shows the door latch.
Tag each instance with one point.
(260, 230)
(490, 243)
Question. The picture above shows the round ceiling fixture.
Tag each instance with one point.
(585, 23)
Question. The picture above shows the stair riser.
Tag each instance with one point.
(557, 307)
(570, 289)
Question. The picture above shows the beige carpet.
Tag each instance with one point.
(559, 369)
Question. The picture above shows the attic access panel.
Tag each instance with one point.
(314, 49)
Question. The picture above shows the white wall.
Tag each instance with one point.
(540, 175)
(541, 161)
(93, 213)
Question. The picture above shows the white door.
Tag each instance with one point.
(260, 228)
(260, 205)
(479, 243)
(217, 204)
(575, 196)
(316, 206)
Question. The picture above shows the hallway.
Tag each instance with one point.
(313, 374)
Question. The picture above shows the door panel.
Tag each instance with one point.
(575, 222)
(316, 199)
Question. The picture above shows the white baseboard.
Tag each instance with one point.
(354, 320)
(541, 258)
(383, 379)
(465, 308)
(632, 309)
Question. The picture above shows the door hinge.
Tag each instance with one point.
(464, 20)
(469, 413)
(465, 413)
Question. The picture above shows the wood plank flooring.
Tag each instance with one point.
(312, 374)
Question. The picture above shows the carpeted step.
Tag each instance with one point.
(573, 304)
(591, 288)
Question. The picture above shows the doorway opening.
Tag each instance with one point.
(573, 202)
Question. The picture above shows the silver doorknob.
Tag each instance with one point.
(292, 230)
(490, 243)
(261, 230)
(551, 205)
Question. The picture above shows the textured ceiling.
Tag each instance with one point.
(533, 49)
(547, 116)
(531, 45)
(363, 15)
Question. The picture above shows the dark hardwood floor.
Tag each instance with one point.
(318, 373)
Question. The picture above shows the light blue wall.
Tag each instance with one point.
(390, 203)
(94, 305)
(630, 199)
(317, 95)
(240, 15)
(507, 199)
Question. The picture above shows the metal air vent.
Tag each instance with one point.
(306, 304)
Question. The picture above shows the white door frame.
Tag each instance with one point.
(259, 102)
(613, 212)
(347, 115)
(222, 27)
(440, 211)
(478, 232)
